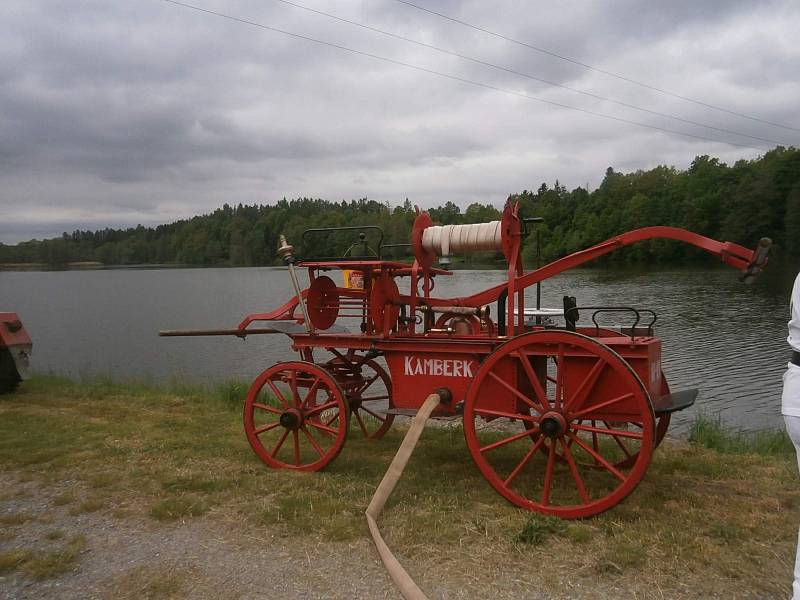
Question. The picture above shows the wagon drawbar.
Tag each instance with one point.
(561, 412)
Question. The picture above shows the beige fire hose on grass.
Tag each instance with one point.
(401, 578)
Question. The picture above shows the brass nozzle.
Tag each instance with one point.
(285, 250)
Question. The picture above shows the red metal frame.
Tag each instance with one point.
(601, 384)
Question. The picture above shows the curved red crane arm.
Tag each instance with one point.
(749, 261)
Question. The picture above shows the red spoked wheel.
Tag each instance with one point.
(296, 416)
(368, 389)
(539, 448)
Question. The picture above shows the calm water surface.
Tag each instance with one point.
(727, 339)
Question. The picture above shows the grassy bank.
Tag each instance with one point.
(716, 516)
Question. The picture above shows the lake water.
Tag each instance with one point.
(725, 338)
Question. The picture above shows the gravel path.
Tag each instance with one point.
(136, 557)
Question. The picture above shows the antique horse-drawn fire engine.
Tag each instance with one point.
(559, 418)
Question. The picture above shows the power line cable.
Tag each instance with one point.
(453, 77)
(528, 75)
(593, 68)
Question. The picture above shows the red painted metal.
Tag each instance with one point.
(558, 422)
(323, 302)
(12, 332)
(369, 392)
(296, 417)
(15, 351)
(522, 465)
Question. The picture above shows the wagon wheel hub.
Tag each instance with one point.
(552, 425)
(291, 419)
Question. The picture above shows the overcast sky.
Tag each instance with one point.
(114, 113)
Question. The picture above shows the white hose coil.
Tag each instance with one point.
(443, 240)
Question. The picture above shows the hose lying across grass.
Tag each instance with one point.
(399, 575)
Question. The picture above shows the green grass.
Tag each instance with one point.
(178, 508)
(178, 452)
(539, 528)
(711, 433)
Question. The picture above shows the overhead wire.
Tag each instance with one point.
(593, 68)
(454, 77)
(526, 75)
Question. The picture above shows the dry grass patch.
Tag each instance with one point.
(11, 560)
(152, 583)
(179, 507)
(89, 505)
(10, 519)
(41, 564)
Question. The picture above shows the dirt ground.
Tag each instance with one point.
(127, 557)
(131, 557)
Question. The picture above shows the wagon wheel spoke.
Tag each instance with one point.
(368, 383)
(296, 440)
(559, 393)
(266, 407)
(619, 442)
(525, 460)
(516, 392)
(293, 388)
(266, 428)
(278, 395)
(585, 386)
(361, 423)
(607, 430)
(541, 394)
(485, 412)
(312, 441)
(548, 473)
(376, 380)
(595, 407)
(378, 416)
(312, 391)
(517, 436)
(320, 408)
(322, 427)
(575, 474)
(280, 443)
(598, 457)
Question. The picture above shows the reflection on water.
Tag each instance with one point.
(727, 339)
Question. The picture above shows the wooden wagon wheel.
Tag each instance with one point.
(591, 383)
(296, 416)
(368, 389)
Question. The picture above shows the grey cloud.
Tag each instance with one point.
(118, 113)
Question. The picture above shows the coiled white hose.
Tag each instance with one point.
(443, 240)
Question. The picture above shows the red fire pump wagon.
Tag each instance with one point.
(560, 418)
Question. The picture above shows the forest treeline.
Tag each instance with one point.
(739, 203)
